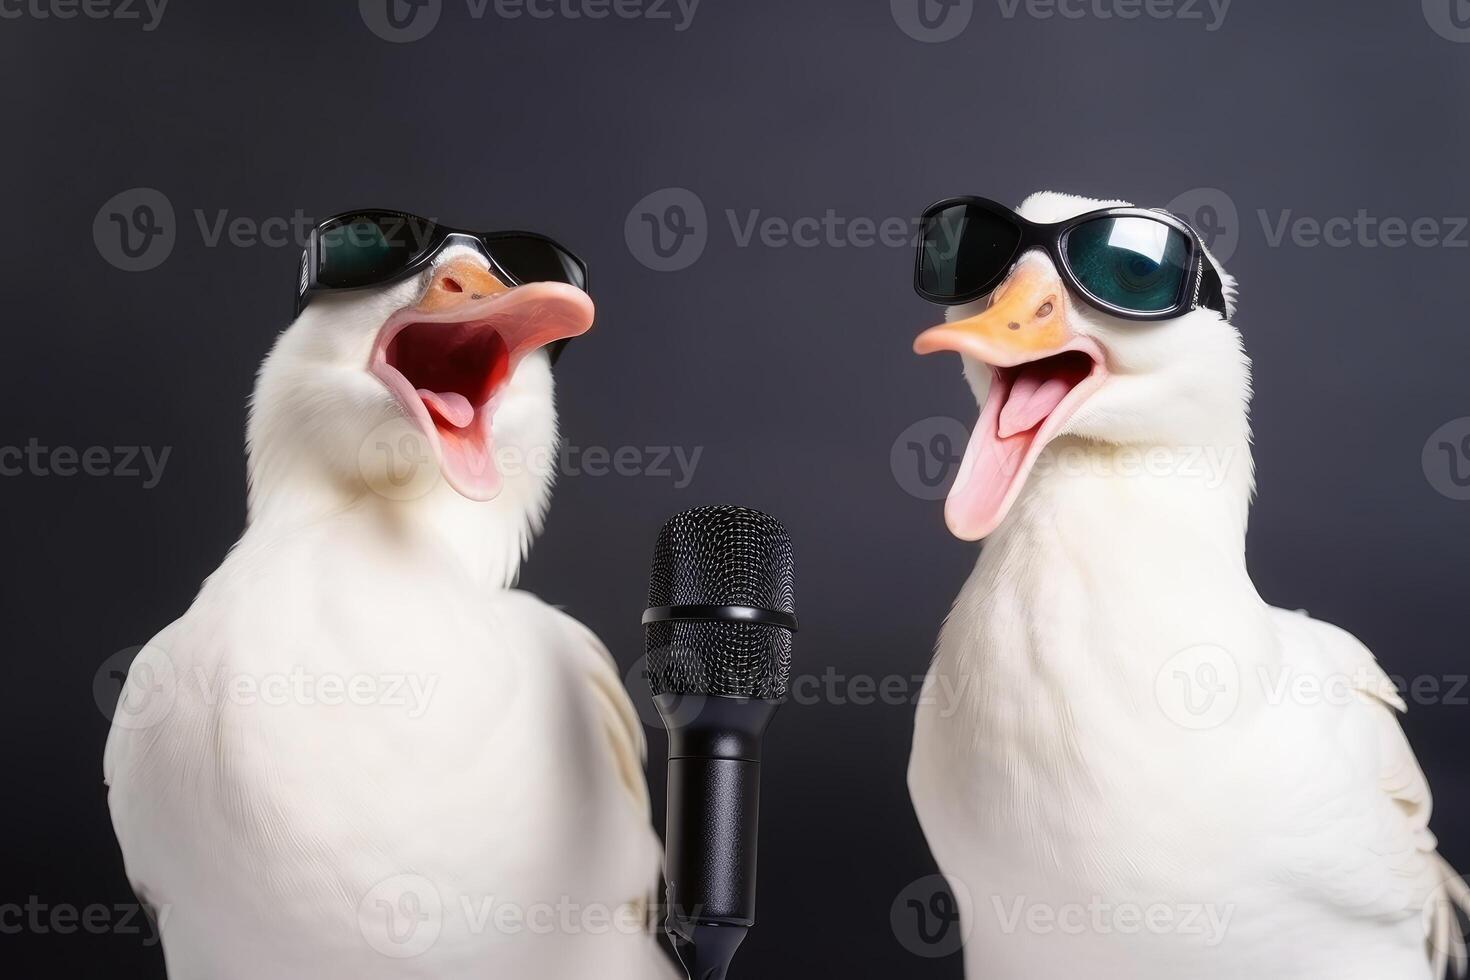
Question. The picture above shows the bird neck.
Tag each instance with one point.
(1113, 560)
(1121, 502)
(486, 541)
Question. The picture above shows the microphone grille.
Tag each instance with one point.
(721, 556)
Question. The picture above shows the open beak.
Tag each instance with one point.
(448, 357)
(1042, 371)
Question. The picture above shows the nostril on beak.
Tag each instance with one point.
(1045, 310)
(450, 285)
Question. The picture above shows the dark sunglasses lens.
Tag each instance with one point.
(965, 249)
(367, 249)
(1136, 264)
(536, 260)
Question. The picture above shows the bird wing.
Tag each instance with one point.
(1386, 864)
(620, 723)
(119, 757)
(621, 726)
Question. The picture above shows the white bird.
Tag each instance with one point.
(1126, 763)
(360, 753)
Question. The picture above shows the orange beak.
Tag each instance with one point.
(1042, 372)
(1026, 320)
(457, 282)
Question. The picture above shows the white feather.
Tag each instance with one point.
(283, 839)
(1054, 775)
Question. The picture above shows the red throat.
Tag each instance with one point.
(448, 369)
(1027, 405)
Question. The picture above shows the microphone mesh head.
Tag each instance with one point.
(721, 556)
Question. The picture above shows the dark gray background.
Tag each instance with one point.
(790, 366)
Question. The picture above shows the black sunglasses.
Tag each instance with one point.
(1131, 263)
(359, 249)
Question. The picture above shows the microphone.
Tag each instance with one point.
(718, 629)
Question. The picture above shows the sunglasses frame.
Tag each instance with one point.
(1201, 288)
(437, 238)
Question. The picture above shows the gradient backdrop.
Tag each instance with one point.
(741, 181)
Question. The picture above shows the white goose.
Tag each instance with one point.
(1127, 764)
(360, 754)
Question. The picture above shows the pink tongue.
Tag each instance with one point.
(1002, 446)
(1034, 395)
(450, 406)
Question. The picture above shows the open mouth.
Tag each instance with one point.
(448, 369)
(1026, 407)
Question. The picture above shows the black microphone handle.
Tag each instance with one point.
(713, 823)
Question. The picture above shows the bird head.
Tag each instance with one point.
(417, 392)
(1045, 364)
